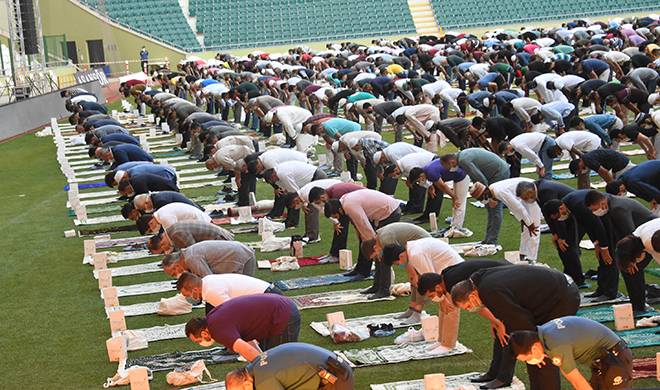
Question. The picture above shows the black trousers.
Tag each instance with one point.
(433, 205)
(371, 173)
(281, 203)
(339, 241)
(416, 196)
(503, 364)
(248, 184)
(571, 257)
(388, 185)
(636, 285)
(352, 167)
(383, 276)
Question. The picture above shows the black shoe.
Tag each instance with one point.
(602, 298)
(227, 180)
(217, 214)
(652, 291)
(483, 378)
(593, 294)
(370, 290)
(583, 285)
(494, 384)
(354, 272)
(379, 295)
(590, 273)
(421, 218)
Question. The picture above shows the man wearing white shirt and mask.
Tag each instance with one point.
(170, 214)
(219, 288)
(290, 117)
(577, 143)
(535, 147)
(403, 166)
(301, 200)
(430, 255)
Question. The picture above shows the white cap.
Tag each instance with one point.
(118, 176)
(486, 102)
(429, 124)
(377, 157)
(653, 98)
(341, 102)
(335, 147)
(268, 118)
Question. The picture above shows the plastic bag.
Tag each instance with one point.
(174, 306)
(285, 263)
(194, 374)
(273, 244)
(341, 333)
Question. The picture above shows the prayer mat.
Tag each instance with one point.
(653, 271)
(136, 269)
(568, 175)
(105, 230)
(228, 220)
(140, 309)
(452, 382)
(100, 220)
(178, 359)
(87, 185)
(314, 281)
(97, 194)
(109, 243)
(334, 298)
(637, 338)
(145, 288)
(587, 302)
(388, 354)
(323, 328)
(164, 332)
(114, 257)
(555, 167)
(304, 261)
(208, 386)
(644, 368)
(606, 314)
(246, 229)
(174, 153)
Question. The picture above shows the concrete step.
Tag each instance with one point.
(429, 18)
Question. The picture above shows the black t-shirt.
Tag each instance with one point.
(639, 60)
(500, 128)
(609, 89)
(591, 85)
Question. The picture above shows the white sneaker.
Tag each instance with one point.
(440, 350)
(414, 319)
(412, 335)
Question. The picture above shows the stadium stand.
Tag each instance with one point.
(475, 13)
(164, 20)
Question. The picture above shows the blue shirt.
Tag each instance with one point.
(207, 82)
(120, 137)
(594, 65)
(340, 125)
(435, 171)
(356, 97)
(154, 169)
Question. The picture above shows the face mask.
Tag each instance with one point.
(475, 309)
(425, 184)
(530, 200)
(149, 211)
(509, 154)
(563, 217)
(454, 169)
(600, 212)
(206, 343)
(437, 299)
(534, 361)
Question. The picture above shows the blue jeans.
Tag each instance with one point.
(289, 335)
(494, 224)
(547, 160)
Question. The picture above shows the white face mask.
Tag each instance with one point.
(563, 217)
(425, 184)
(454, 169)
(530, 200)
(206, 343)
(600, 212)
(534, 361)
(437, 299)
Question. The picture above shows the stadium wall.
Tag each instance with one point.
(26, 115)
(81, 24)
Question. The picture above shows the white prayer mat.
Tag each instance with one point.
(109, 243)
(114, 257)
(323, 328)
(555, 167)
(164, 332)
(99, 220)
(145, 288)
(334, 298)
(587, 302)
(136, 269)
(83, 179)
(452, 382)
(140, 309)
(388, 354)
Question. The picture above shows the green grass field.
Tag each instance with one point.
(53, 322)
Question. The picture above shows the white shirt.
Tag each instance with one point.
(524, 107)
(450, 95)
(399, 111)
(412, 160)
(431, 255)
(303, 192)
(479, 70)
(175, 212)
(505, 192)
(528, 145)
(351, 139)
(291, 118)
(549, 95)
(645, 232)
(397, 150)
(433, 89)
(235, 140)
(229, 155)
(581, 140)
(218, 289)
(271, 158)
(84, 98)
(294, 174)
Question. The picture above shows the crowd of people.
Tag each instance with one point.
(502, 100)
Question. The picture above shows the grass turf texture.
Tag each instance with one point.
(54, 328)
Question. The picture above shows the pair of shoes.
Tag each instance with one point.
(370, 290)
(483, 378)
(328, 259)
(593, 294)
(314, 241)
(602, 298)
(412, 335)
(590, 274)
(351, 273)
(217, 214)
(652, 291)
(494, 384)
(381, 330)
(583, 285)
(378, 295)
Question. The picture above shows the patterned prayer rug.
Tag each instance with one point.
(178, 359)
(452, 382)
(606, 314)
(395, 354)
(323, 328)
(314, 281)
(333, 298)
